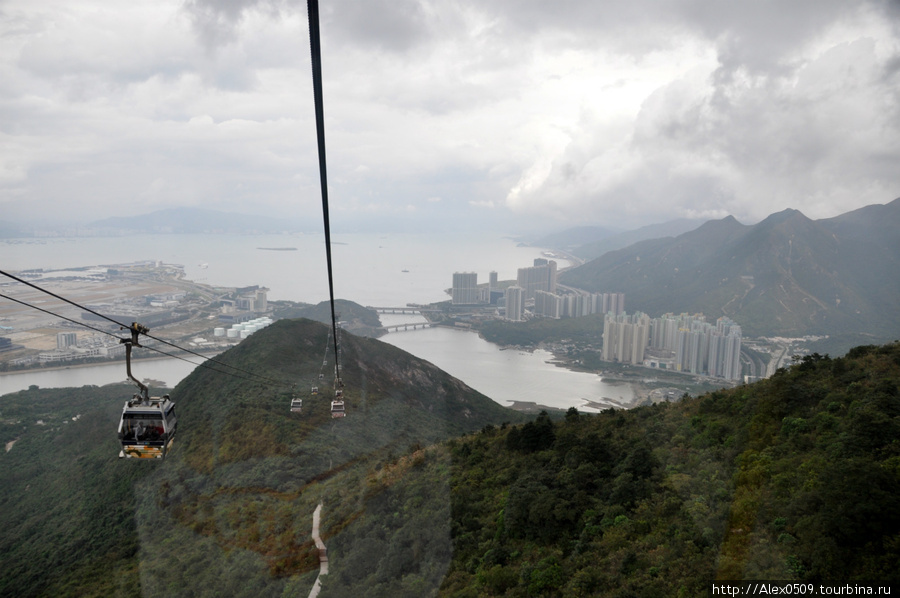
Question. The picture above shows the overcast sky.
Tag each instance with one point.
(506, 113)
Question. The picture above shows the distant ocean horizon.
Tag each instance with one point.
(370, 269)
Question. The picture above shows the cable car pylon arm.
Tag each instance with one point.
(136, 330)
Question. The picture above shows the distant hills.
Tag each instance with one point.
(589, 242)
(352, 316)
(787, 275)
(572, 238)
(197, 220)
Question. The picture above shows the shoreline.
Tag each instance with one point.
(73, 366)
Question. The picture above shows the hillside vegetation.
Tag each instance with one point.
(796, 477)
(229, 512)
(354, 317)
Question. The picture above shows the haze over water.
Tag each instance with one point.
(368, 268)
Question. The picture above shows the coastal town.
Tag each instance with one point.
(40, 330)
(72, 317)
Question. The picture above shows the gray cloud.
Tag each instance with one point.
(526, 111)
(389, 25)
(216, 21)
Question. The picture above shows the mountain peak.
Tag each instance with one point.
(786, 215)
(726, 221)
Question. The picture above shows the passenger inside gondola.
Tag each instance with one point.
(143, 429)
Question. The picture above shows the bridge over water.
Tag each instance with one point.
(401, 310)
(411, 326)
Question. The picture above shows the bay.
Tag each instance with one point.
(508, 376)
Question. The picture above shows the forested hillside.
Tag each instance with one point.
(428, 489)
(66, 508)
(229, 512)
(796, 477)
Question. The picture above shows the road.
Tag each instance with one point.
(777, 361)
(323, 558)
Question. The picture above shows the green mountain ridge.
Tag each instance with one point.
(787, 275)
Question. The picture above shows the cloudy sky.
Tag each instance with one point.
(501, 113)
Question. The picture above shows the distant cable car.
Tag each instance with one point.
(314, 390)
(147, 425)
(296, 404)
(337, 405)
(337, 408)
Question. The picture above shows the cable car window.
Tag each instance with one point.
(143, 426)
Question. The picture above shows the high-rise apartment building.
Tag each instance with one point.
(540, 277)
(515, 303)
(65, 340)
(465, 288)
(547, 304)
(625, 338)
(685, 343)
(262, 302)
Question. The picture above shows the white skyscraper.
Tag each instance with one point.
(465, 288)
(515, 304)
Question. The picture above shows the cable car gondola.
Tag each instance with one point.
(147, 425)
(337, 405)
(337, 408)
(296, 405)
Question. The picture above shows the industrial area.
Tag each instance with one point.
(39, 330)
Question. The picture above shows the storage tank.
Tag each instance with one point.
(219, 332)
(245, 333)
(232, 333)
